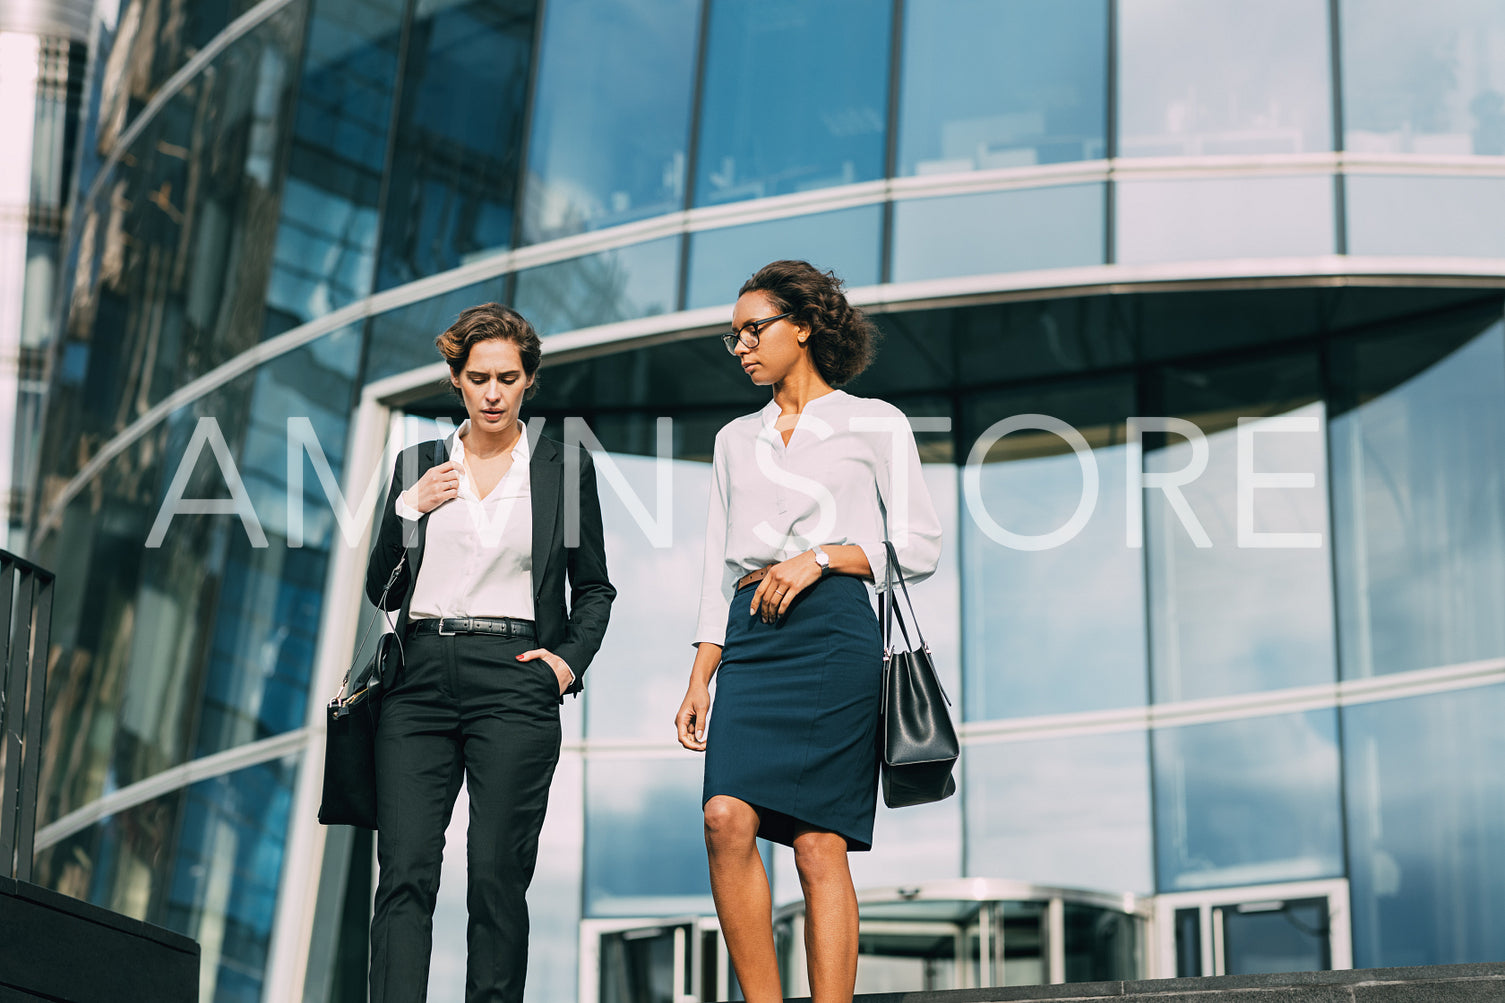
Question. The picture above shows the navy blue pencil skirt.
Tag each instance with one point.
(794, 724)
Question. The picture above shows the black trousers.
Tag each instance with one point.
(462, 706)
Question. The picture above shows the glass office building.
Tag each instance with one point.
(43, 55)
(1199, 308)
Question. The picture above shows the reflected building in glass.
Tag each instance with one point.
(1202, 307)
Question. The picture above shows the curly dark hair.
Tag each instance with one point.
(491, 322)
(843, 341)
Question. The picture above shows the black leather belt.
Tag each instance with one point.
(505, 626)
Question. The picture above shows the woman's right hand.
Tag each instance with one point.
(690, 721)
(437, 486)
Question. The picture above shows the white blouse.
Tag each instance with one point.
(478, 552)
(850, 475)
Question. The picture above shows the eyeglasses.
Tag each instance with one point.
(750, 333)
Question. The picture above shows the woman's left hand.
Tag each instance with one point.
(783, 582)
(560, 666)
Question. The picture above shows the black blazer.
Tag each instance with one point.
(574, 632)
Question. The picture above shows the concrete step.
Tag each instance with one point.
(1478, 983)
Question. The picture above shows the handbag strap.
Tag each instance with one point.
(891, 613)
(380, 611)
(893, 571)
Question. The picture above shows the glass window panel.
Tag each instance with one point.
(613, 95)
(644, 841)
(1222, 218)
(1426, 804)
(795, 97)
(1231, 610)
(625, 284)
(1057, 629)
(987, 84)
(1424, 78)
(1072, 812)
(1006, 231)
(1200, 79)
(1419, 507)
(204, 861)
(156, 42)
(176, 249)
(403, 339)
(204, 642)
(846, 241)
(1248, 802)
(458, 148)
(1178, 325)
(325, 254)
(1448, 217)
(638, 678)
(1000, 343)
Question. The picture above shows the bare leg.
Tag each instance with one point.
(739, 885)
(830, 915)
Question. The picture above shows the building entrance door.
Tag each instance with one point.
(1247, 931)
(671, 960)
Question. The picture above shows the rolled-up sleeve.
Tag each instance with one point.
(909, 515)
(718, 578)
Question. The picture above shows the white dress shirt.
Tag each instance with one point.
(849, 475)
(478, 552)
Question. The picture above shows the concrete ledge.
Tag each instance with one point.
(62, 950)
(1476, 983)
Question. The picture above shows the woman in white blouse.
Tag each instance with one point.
(805, 492)
(473, 542)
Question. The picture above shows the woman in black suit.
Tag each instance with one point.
(475, 544)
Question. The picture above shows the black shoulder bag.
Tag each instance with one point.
(350, 741)
(919, 743)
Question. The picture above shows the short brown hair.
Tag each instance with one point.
(491, 322)
(843, 341)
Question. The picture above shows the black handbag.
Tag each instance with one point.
(350, 735)
(919, 743)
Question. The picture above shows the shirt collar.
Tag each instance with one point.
(770, 412)
(520, 452)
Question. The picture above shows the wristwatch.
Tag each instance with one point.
(823, 559)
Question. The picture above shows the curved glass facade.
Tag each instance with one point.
(1248, 258)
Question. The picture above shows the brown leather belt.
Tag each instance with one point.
(752, 578)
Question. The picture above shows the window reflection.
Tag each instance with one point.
(644, 846)
(638, 678)
(1449, 217)
(1071, 812)
(1418, 515)
(403, 339)
(1248, 802)
(205, 642)
(1009, 231)
(990, 85)
(1189, 220)
(1235, 610)
(176, 246)
(325, 254)
(1200, 79)
(625, 284)
(1424, 78)
(1428, 883)
(846, 241)
(1028, 650)
(624, 70)
(204, 861)
(795, 97)
(457, 152)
